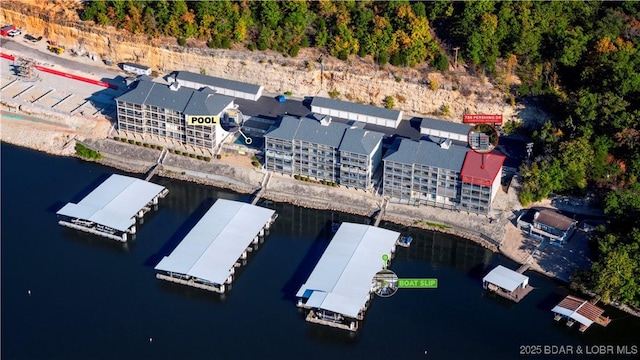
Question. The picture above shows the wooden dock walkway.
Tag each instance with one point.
(524, 268)
(381, 212)
(263, 187)
(154, 168)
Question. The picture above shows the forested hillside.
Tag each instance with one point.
(580, 58)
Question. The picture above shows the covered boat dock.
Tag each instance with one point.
(112, 208)
(575, 309)
(207, 256)
(507, 283)
(338, 291)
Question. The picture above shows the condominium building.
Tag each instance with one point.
(443, 175)
(151, 108)
(323, 150)
(480, 176)
(424, 172)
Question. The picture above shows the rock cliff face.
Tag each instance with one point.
(358, 80)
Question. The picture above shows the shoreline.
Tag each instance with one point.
(317, 203)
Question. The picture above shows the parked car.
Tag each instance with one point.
(281, 98)
(31, 38)
(15, 32)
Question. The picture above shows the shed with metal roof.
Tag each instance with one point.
(444, 129)
(353, 111)
(233, 88)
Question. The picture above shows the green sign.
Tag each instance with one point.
(417, 283)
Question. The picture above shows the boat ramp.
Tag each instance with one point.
(112, 208)
(218, 244)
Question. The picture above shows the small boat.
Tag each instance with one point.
(404, 241)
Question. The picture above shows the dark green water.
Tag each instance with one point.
(94, 299)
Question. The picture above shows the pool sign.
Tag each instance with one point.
(482, 119)
(204, 120)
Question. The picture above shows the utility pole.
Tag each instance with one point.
(455, 58)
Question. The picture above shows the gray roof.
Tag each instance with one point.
(309, 130)
(452, 127)
(312, 131)
(341, 280)
(505, 278)
(136, 66)
(360, 141)
(337, 135)
(183, 100)
(356, 108)
(217, 241)
(114, 203)
(428, 153)
(286, 130)
(218, 82)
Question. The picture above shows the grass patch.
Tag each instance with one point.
(87, 153)
(432, 224)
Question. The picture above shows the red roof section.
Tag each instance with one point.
(474, 172)
(584, 307)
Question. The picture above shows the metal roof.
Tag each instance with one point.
(137, 66)
(341, 280)
(479, 171)
(505, 278)
(337, 135)
(114, 203)
(578, 309)
(360, 141)
(452, 127)
(216, 242)
(427, 153)
(183, 100)
(356, 108)
(218, 82)
(312, 131)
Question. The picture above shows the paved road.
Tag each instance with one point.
(21, 117)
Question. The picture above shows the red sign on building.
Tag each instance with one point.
(482, 119)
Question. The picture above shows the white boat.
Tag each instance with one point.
(404, 241)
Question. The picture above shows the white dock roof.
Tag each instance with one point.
(341, 281)
(115, 202)
(505, 278)
(216, 242)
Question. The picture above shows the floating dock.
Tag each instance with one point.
(507, 283)
(339, 290)
(219, 243)
(112, 208)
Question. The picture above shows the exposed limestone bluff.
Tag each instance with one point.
(358, 80)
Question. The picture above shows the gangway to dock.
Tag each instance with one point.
(152, 171)
(383, 209)
(263, 187)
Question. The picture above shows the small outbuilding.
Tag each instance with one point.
(136, 69)
(552, 226)
(507, 283)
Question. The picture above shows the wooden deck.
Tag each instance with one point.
(311, 317)
(515, 296)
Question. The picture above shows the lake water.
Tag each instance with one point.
(92, 298)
